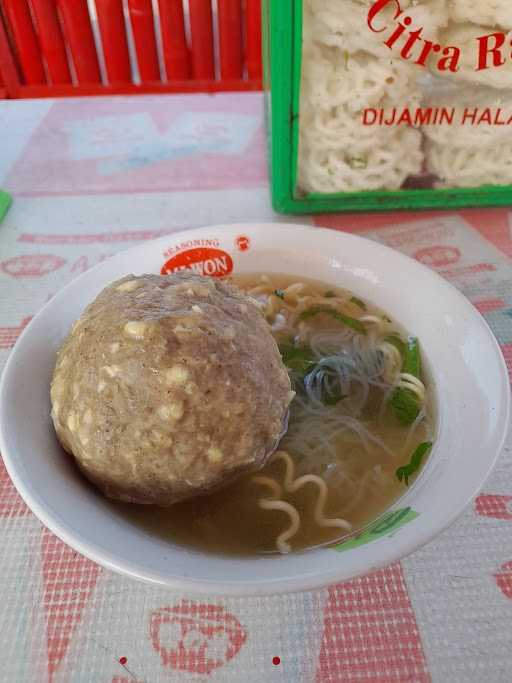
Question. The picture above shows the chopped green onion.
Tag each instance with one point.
(300, 359)
(358, 302)
(355, 324)
(412, 358)
(279, 293)
(403, 473)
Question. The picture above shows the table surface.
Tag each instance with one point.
(93, 176)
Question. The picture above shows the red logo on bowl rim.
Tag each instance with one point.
(202, 637)
(439, 256)
(202, 260)
(243, 243)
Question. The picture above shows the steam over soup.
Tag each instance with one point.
(360, 429)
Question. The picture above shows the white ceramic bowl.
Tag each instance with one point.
(467, 368)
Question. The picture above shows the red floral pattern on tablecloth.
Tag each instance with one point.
(69, 580)
(196, 637)
(370, 633)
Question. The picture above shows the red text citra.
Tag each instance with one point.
(399, 34)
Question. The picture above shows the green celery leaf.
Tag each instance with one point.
(404, 402)
(405, 405)
(412, 359)
(403, 473)
(297, 358)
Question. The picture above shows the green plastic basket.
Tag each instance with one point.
(282, 54)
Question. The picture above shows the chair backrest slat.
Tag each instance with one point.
(57, 48)
(230, 38)
(174, 40)
(80, 39)
(201, 30)
(8, 67)
(24, 35)
(3, 89)
(253, 38)
(113, 40)
(51, 41)
(143, 28)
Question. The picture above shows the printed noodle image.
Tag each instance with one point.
(336, 152)
(344, 24)
(465, 37)
(495, 13)
(464, 155)
(346, 68)
(360, 429)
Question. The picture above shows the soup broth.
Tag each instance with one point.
(360, 429)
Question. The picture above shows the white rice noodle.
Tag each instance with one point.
(292, 485)
(412, 383)
(330, 341)
(356, 499)
(412, 430)
(392, 361)
(273, 503)
(282, 544)
(274, 486)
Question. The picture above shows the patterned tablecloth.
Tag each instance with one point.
(91, 177)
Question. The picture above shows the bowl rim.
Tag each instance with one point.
(402, 546)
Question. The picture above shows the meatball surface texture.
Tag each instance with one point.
(168, 387)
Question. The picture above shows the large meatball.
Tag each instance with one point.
(168, 387)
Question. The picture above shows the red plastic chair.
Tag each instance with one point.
(56, 48)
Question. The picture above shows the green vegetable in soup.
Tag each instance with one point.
(300, 359)
(279, 293)
(403, 473)
(397, 343)
(347, 320)
(412, 358)
(405, 406)
(404, 402)
(358, 302)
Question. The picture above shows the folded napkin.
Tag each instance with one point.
(5, 203)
